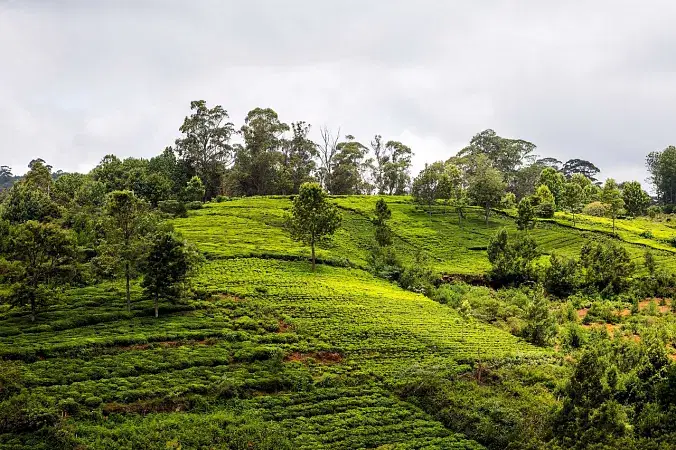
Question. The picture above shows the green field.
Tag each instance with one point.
(271, 355)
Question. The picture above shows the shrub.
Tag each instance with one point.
(540, 326)
(647, 234)
(511, 257)
(173, 207)
(418, 276)
(562, 277)
(546, 210)
(596, 209)
(225, 198)
(193, 205)
(654, 211)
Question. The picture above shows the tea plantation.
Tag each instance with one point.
(269, 355)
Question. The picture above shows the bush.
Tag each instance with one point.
(654, 211)
(596, 209)
(418, 276)
(562, 277)
(546, 210)
(647, 235)
(224, 198)
(173, 207)
(193, 205)
(511, 258)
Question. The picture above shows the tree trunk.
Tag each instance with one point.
(156, 304)
(32, 310)
(487, 210)
(613, 225)
(126, 275)
(313, 256)
(573, 220)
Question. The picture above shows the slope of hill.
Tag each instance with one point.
(271, 355)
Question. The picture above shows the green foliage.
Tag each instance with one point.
(540, 328)
(611, 196)
(562, 276)
(194, 190)
(607, 267)
(25, 203)
(205, 146)
(636, 200)
(572, 198)
(662, 168)
(511, 258)
(555, 182)
(486, 185)
(596, 209)
(125, 232)
(174, 207)
(313, 219)
(526, 218)
(166, 268)
(43, 261)
(418, 276)
(383, 232)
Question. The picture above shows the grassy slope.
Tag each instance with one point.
(273, 354)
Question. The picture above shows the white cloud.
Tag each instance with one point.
(586, 80)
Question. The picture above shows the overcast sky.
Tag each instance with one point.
(593, 80)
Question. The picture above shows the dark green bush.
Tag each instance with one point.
(173, 207)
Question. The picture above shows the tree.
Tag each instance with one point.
(349, 165)
(392, 165)
(525, 180)
(313, 219)
(607, 266)
(383, 231)
(6, 177)
(561, 277)
(328, 148)
(545, 202)
(549, 162)
(662, 169)
(636, 200)
(540, 326)
(611, 196)
(24, 202)
(39, 176)
(554, 181)
(450, 188)
(428, 186)
(526, 219)
(125, 233)
(298, 155)
(505, 155)
(194, 190)
(166, 268)
(572, 198)
(205, 146)
(259, 161)
(580, 166)
(511, 258)
(486, 185)
(43, 257)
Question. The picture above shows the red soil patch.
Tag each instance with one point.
(320, 357)
(581, 313)
(283, 327)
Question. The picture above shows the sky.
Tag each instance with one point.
(594, 80)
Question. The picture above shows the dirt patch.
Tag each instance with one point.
(144, 407)
(582, 313)
(320, 357)
(229, 298)
(283, 327)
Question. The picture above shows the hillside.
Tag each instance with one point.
(271, 355)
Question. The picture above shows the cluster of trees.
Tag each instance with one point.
(493, 171)
(80, 229)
